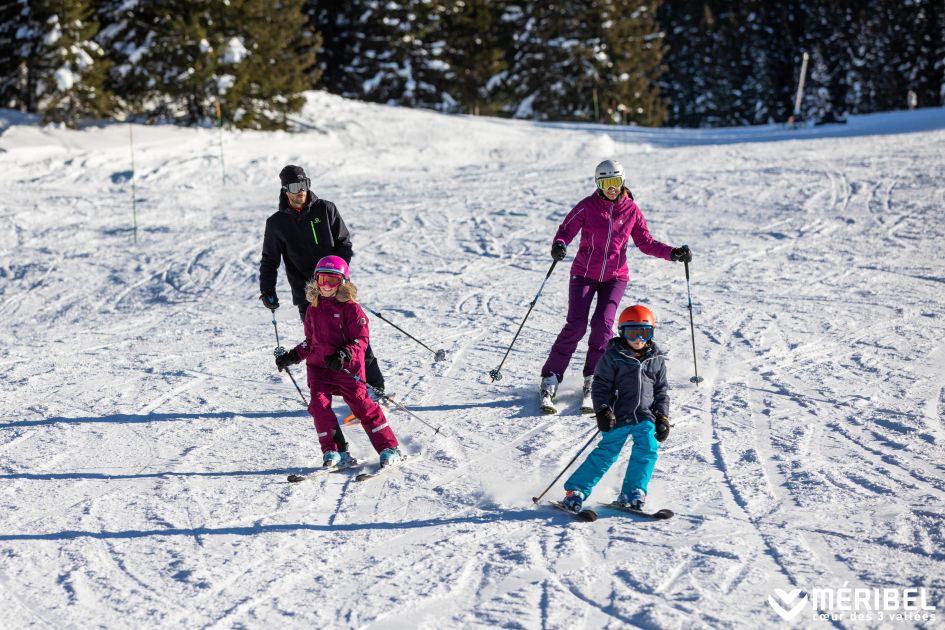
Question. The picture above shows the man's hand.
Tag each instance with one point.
(270, 300)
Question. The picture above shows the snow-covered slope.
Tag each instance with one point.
(145, 434)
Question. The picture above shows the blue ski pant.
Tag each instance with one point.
(643, 458)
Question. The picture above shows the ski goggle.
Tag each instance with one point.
(297, 187)
(633, 332)
(328, 280)
(610, 182)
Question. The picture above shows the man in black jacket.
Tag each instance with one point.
(304, 230)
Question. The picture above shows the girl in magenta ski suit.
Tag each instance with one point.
(607, 220)
(336, 334)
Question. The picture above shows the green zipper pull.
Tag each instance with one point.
(314, 235)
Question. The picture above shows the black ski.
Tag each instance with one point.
(321, 472)
(383, 470)
(586, 514)
(659, 515)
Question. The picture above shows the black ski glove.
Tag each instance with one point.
(606, 420)
(269, 299)
(662, 427)
(682, 254)
(558, 250)
(286, 359)
(337, 361)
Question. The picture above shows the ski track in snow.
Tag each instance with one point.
(145, 435)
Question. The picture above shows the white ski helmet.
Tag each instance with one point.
(607, 170)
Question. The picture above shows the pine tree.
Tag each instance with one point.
(337, 23)
(10, 64)
(568, 53)
(56, 69)
(474, 37)
(382, 51)
(164, 58)
(266, 60)
(175, 59)
(685, 42)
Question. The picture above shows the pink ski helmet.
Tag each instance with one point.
(333, 264)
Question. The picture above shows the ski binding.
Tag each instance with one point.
(323, 471)
(383, 470)
(659, 515)
(586, 514)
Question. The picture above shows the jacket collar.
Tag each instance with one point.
(285, 207)
(652, 350)
(623, 202)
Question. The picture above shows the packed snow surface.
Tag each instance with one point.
(145, 435)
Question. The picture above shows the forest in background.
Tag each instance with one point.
(245, 63)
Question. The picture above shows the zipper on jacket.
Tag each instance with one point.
(315, 236)
(610, 231)
(639, 391)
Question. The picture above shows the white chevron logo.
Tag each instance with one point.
(793, 603)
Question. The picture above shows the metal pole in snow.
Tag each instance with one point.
(220, 127)
(800, 88)
(134, 194)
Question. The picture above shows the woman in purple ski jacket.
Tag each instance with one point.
(607, 220)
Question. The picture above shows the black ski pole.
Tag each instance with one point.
(583, 448)
(381, 396)
(496, 374)
(279, 351)
(438, 355)
(695, 379)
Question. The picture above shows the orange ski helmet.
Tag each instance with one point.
(636, 315)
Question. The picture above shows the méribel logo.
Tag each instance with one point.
(788, 604)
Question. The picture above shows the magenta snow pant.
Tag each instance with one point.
(581, 292)
(355, 395)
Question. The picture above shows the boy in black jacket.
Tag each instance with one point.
(631, 399)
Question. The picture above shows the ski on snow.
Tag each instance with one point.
(586, 514)
(659, 515)
(322, 472)
(379, 470)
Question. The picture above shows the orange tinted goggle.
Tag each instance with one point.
(632, 332)
(328, 279)
(610, 182)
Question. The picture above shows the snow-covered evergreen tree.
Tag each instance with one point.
(576, 60)
(474, 36)
(176, 58)
(381, 51)
(51, 65)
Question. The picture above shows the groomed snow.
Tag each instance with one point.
(145, 434)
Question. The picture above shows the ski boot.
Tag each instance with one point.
(546, 394)
(346, 460)
(390, 457)
(633, 499)
(587, 403)
(573, 501)
(332, 458)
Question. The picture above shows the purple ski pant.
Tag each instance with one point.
(581, 292)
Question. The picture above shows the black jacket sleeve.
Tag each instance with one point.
(271, 257)
(660, 391)
(341, 239)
